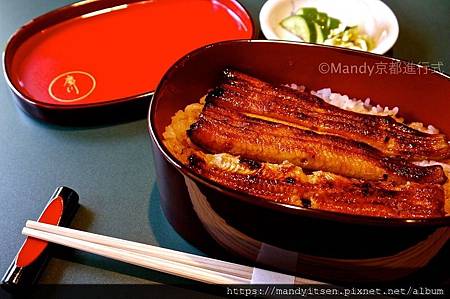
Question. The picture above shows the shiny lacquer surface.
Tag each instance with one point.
(122, 51)
(32, 248)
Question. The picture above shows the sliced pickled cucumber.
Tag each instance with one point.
(315, 26)
(313, 30)
(308, 12)
(322, 21)
(333, 23)
(298, 26)
(311, 14)
(319, 33)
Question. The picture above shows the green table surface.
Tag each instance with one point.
(111, 167)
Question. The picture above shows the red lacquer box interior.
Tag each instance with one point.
(96, 61)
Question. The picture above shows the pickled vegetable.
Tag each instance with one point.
(314, 26)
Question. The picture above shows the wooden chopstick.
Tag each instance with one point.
(153, 263)
(145, 249)
(197, 268)
(173, 262)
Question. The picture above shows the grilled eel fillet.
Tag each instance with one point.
(287, 184)
(220, 130)
(251, 95)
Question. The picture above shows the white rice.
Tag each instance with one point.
(344, 102)
(360, 106)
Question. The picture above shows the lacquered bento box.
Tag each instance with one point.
(99, 61)
(325, 245)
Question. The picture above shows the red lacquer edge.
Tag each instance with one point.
(79, 114)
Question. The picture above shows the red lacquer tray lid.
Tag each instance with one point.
(101, 60)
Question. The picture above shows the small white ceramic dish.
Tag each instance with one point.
(373, 17)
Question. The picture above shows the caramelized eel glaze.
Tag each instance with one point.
(285, 183)
(290, 147)
(251, 95)
(220, 130)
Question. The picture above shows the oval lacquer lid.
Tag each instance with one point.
(101, 59)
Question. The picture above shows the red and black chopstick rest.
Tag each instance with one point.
(32, 257)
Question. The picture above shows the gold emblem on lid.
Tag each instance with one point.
(71, 86)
